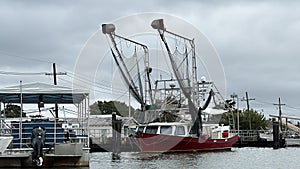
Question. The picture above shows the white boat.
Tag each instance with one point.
(268, 136)
(292, 142)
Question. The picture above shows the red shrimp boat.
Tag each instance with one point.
(175, 137)
(178, 96)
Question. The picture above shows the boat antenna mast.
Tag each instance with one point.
(109, 30)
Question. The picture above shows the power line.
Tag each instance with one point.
(270, 103)
(264, 102)
(104, 88)
(58, 73)
(119, 94)
(23, 57)
(102, 85)
(94, 84)
(100, 91)
(261, 100)
(292, 107)
(22, 73)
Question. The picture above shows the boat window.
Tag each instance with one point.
(125, 130)
(151, 129)
(140, 129)
(179, 130)
(165, 129)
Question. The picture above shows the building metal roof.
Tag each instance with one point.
(37, 92)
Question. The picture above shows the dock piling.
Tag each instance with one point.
(276, 144)
(116, 131)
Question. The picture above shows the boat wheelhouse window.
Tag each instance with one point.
(165, 129)
(140, 129)
(179, 130)
(151, 129)
(125, 130)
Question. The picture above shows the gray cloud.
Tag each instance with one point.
(257, 41)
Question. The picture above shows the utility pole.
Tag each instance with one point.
(279, 108)
(54, 74)
(21, 115)
(248, 108)
(55, 83)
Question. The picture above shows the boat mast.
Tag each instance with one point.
(109, 29)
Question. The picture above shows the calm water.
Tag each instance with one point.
(241, 158)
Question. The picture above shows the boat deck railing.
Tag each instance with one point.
(104, 136)
(249, 135)
(54, 133)
(5, 131)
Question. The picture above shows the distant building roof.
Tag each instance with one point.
(106, 120)
(36, 92)
(103, 116)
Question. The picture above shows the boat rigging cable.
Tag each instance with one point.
(187, 89)
(109, 29)
(128, 82)
(139, 74)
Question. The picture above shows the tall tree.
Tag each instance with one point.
(104, 107)
(12, 111)
(258, 120)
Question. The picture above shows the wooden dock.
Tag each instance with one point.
(251, 138)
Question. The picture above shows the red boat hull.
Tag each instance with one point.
(165, 143)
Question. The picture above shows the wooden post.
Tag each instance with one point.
(275, 134)
(116, 142)
(248, 110)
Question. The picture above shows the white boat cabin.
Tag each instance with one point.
(174, 129)
(182, 129)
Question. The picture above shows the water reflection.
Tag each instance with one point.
(246, 158)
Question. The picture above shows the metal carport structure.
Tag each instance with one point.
(47, 94)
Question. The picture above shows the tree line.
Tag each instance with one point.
(258, 120)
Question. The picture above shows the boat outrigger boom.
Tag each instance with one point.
(109, 29)
(188, 88)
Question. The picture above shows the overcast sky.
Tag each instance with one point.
(257, 41)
